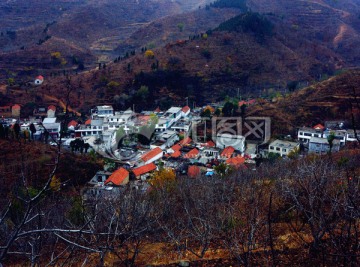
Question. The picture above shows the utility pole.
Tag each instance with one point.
(205, 131)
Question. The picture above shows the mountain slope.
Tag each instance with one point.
(331, 99)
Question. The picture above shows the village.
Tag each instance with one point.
(135, 145)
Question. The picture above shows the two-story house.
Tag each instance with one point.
(283, 148)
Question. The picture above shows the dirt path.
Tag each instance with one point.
(62, 104)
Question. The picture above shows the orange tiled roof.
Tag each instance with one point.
(144, 169)
(40, 77)
(236, 161)
(152, 153)
(210, 144)
(72, 123)
(52, 107)
(117, 177)
(157, 110)
(176, 154)
(227, 152)
(185, 109)
(249, 102)
(16, 106)
(185, 141)
(88, 122)
(193, 171)
(176, 147)
(192, 153)
(319, 127)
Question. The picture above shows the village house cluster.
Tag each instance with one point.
(167, 141)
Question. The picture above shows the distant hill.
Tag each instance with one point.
(333, 99)
(308, 40)
(93, 27)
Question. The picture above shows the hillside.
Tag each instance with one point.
(334, 24)
(331, 99)
(305, 48)
(35, 160)
(95, 27)
(177, 27)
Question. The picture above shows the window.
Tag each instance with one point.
(278, 149)
(284, 150)
(271, 147)
(301, 133)
(316, 135)
(307, 134)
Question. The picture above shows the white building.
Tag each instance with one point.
(39, 80)
(339, 135)
(305, 134)
(182, 126)
(151, 156)
(103, 111)
(283, 148)
(171, 116)
(350, 135)
(224, 140)
(165, 139)
(53, 127)
(94, 128)
(322, 146)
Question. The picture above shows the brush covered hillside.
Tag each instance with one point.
(177, 27)
(249, 52)
(333, 24)
(85, 30)
(336, 98)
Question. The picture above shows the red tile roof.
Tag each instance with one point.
(319, 127)
(144, 169)
(72, 123)
(185, 109)
(118, 177)
(249, 102)
(185, 141)
(236, 161)
(210, 144)
(88, 122)
(176, 154)
(16, 106)
(143, 119)
(151, 154)
(52, 107)
(193, 153)
(227, 152)
(242, 103)
(157, 110)
(193, 171)
(40, 78)
(176, 147)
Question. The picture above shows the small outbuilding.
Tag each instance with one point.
(39, 80)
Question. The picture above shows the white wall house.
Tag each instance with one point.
(224, 140)
(39, 80)
(321, 145)
(151, 156)
(52, 126)
(350, 135)
(171, 116)
(103, 111)
(283, 148)
(305, 134)
(339, 135)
